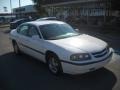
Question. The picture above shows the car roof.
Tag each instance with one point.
(39, 23)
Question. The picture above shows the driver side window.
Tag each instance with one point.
(33, 31)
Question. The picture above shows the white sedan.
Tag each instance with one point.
(61, 47)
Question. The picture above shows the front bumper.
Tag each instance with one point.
(80, 68)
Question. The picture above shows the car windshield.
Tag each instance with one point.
(57, 31)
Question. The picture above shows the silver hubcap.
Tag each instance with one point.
(53, 65)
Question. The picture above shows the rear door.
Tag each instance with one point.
(22, 37)
(36, 43)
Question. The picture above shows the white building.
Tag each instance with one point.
(90, 10)
(25, 11)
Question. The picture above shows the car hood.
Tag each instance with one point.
(83, 42)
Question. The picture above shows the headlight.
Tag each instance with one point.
(79, 57)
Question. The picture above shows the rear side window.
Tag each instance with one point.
(23, 30)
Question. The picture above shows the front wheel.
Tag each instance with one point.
(54, 64)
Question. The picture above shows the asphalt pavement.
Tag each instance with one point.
(26, 73)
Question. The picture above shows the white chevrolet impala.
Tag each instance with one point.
(61, 47)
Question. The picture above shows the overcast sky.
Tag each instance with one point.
(15, 3)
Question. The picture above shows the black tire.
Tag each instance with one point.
(54, 64)
(16, 49)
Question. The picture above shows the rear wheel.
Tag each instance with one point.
(54, 64)
(16, 48)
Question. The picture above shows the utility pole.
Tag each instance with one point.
(19, 8)
(11, 7)
(19, 3)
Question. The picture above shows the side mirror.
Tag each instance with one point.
(36, 37)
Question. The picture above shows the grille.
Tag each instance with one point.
(101, 53)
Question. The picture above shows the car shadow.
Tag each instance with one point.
(26, 73)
